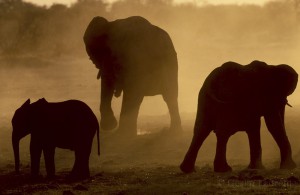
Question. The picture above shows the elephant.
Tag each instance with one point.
(69, 125)
(136, 58)
(233, 98)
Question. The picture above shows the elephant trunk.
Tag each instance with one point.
(99, 74)
(15, 143)
(108, 120)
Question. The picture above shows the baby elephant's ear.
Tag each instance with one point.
(26, 103)
(43, 100)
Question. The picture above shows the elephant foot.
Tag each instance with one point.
(127, 132)
(51, 177)
(108, 123)
(288, 164)
(36, 177)
(175, 130)
(222, 168)
(75, 176)
(184, 167)
(256, 166)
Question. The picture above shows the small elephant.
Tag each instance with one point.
(136, 58)
(234, 98)
(68, 125)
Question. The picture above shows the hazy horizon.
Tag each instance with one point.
(196, 2)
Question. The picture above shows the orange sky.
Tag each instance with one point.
(69, 2)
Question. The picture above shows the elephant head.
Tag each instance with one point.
(95, 39)
(97, 47)
(21, 128)
(285, 78)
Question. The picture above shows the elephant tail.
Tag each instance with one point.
(96, 126)
(98, 140)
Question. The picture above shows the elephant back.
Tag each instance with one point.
(140, 48)
(237, 84)
(252, 86)
(222, 85)
(136, 42)
(95, 29)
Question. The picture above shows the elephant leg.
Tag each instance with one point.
(108, 120)
(49, 161)
(275, 124)
(35, 155)
(129, 113)
(172, 104)
(253, 133)
(81, 166)
(200, 134)
(220, 162)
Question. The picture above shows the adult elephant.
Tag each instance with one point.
(234, 98)
(136, 58)
(68, 125)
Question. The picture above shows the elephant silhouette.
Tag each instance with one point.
(234, 98)
(136, 58)
(68, 125)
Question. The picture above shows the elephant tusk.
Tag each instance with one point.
(99, 74)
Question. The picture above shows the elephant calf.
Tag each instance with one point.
(234, 98)
(69, 125)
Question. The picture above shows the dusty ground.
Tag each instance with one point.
(146, 164)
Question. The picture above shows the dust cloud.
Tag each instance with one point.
(43, 55)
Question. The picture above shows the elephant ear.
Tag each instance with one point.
(226, 83)
(21, 113)
(27, 103)
(42, 100)
(96, 28)
(39, 106)
(285, 79)
(95, 39)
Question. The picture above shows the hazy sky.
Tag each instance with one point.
(68, 2)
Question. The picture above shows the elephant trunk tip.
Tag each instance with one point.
(16, 154)
(98, 142)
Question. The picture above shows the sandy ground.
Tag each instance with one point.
(146, 164)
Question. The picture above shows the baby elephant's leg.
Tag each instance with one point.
(220, 163)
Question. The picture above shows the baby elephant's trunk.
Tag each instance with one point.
(98, 141)
(15, 143)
